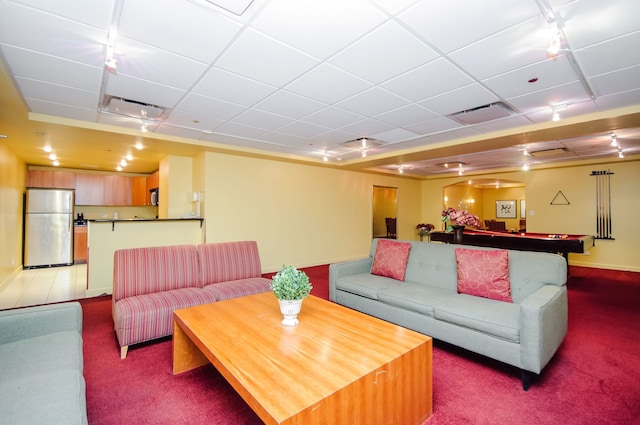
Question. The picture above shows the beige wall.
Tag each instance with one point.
(175, 187)
(13, 178)
(300, 215)
(384, 206)
(579, 217)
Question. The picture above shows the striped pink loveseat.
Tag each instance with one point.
(150, 283)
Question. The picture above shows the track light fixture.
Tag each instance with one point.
(614, 140)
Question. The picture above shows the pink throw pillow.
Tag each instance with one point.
(484, 273)
(391, 259)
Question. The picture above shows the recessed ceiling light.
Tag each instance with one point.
(139, 146)
(53, 156)
(129, 157)
(47, 149)
(56, 163)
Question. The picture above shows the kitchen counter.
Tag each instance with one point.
(105, 236)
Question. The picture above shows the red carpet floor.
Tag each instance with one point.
(593, 379)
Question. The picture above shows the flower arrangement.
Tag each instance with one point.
(424, 229)
(290, 284)
(459, 218)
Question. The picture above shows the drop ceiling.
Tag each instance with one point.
(431, 82)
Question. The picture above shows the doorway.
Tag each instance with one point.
(385, 203)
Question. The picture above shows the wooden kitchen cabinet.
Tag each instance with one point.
(51, 179)
(90, 189)
(117, 190)
(139, 191)
(153, 182)
(80, 244)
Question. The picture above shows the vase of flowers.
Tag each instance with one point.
(290, 286)
(425, 230)
(456, 220)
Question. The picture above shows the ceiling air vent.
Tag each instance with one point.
(484, 113)
(545, 153)
(362, 143)
(133, 108)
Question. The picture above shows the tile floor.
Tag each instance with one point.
(46, 285)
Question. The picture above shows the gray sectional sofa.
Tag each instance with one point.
(525, 333)
(41, 365)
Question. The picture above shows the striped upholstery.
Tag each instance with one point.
(224, 262)
(150, 316)
(139, 271)
(150, 283)
(238, 288)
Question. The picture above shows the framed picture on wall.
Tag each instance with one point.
(506, 209)
(523, 209)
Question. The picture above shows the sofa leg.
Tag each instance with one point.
(123, 351)
(526, 377)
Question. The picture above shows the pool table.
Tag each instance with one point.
(522, 241)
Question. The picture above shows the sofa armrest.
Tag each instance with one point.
(544, 319)
(23, 323)
(346, 268)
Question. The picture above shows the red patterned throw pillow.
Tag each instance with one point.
(391, 259)
(484, 273)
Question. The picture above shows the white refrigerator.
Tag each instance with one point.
(48, 221)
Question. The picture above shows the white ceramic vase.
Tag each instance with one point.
(290, 310)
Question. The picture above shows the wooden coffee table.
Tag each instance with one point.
(337, 366)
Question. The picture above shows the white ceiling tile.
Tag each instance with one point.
(406, 115)
(519, 46)
(303, 129)
(367, 127)
(28, 64)
(298, 23)
(66, 111)
(331, 137)
(378, 57)
(615, 82)
(436, 77)
(159, 66)
(433, 125)
(591, 21)
(333, 117)
(453, 134)
(290, 105)
(607, 56)
(54, 93)
(121, 121)
(240, 130)
(201, 121)
(216, 109)
(394, 6)
(263, 59)
(395, 135)
(284, 139)
(619, 100)
(452, 24)
(548, 73)
(96, 13)
(373, 102)
(186, 133)
(328, 84)
(223, 85)
(560, 95)
(502, 124)
(142, 91)
(56, 36)
(464, 98)
(179, 27)
(260, 119)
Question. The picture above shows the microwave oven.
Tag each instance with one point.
(154, 196)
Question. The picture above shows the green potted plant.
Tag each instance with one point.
(290, 286)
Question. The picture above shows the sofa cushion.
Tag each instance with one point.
(416, 297)
(58, 397)
(496, 318)
(150, 316)
(42, 354)
(484, 273)
(139, 271)
(224, 262)
(238, 288)
(365, 284)
(391, 259)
